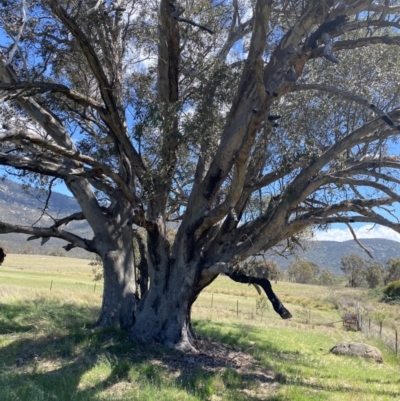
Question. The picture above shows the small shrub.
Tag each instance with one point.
(57, 252)
(97, 269)
(392, 290)
(261, 305)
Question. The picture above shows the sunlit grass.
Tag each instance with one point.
(50, 350)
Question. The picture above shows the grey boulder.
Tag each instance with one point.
(358, 349)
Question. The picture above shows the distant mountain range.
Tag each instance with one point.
(24, 207)
(327, 254)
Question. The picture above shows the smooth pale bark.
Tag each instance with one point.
(119, 295)
(113, 242)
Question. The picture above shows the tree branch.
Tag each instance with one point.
(265, 284)
(43, 87)
(98, 168)
(19, 34)
(74, 240)
(349, 96)
(367, 251)
(46, 166)
(178, 10)
(112, 116)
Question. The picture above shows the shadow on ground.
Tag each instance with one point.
(51, 351)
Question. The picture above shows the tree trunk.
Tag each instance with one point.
(163, 315)
(120, 288)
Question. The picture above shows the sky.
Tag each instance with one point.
(340, 233)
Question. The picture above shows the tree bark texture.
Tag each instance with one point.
(163, 315)
(114, 244)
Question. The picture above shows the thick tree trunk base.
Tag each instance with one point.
(117, 313)
(164, 317)
(119, 295)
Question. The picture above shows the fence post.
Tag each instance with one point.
(51, 285)
(237, 308)
(369, 324)
(380, 329)
(212, 299)
(94, 290)
(396, 344)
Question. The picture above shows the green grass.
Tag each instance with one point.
(303, 366)
(50, 350)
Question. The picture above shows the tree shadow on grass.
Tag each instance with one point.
(51, 351)
(49, 346)
(63, 357)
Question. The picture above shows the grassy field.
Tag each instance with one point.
(50, 350)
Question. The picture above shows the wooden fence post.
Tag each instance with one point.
(380, 329)
(237, 308)
(212, 299)
(396, 344)
(51, 285)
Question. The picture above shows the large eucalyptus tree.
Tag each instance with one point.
(163, 115)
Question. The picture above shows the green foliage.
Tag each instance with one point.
(97, 270)
(262, 268)
(392, 290)
(393, 270)
(355, 268)
(262, 304)
(326, 278)
(302, 271)
(374, 275)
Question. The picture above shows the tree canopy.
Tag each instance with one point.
(303, 271)
(238, 123)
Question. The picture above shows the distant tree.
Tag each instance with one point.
(303, 271)
(393, 270)
(272, 270)
(264, 269)
(326, 278)
(374, 275)
(354, 267)
(268, 269)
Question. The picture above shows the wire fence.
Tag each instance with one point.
(260, 310)
(377, 329)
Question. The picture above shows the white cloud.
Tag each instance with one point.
(367, 231)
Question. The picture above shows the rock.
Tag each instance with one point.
(358, 349)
